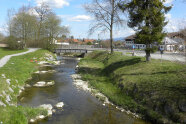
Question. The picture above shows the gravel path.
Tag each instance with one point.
(5, 59)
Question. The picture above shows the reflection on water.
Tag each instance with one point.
(80, 107)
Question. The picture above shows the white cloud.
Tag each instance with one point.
(77, 18)
(1, 29)
(65, 16)
(80, 18)
(174, 24)
(168, 16)
(123, 33)
(168, 1)
(54, 3)
(67, 26)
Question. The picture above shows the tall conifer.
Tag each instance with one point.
(147, 18)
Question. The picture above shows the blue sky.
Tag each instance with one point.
(74, 16)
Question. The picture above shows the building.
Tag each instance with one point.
(172, 42)
(74, 41)
(3, 45)
(130, 43)
(168, 44)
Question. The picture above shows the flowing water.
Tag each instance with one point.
(80, 106)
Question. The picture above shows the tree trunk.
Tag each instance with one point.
(148, 57)
(111, 42)
(111, 28)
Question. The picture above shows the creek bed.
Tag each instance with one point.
(80, 106)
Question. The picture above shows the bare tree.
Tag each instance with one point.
(23, 24)
(1, 37)
(106, 16)
(36, 29)
(183, 32)
(52, 28)
(10, 15)
(43, 10)
(64, 30)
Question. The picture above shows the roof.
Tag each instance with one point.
(68, 40)
(170, 35)
(168, 40)
(88, 40)
(174, 34)
(131, 37)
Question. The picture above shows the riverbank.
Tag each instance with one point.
(13, 76)
(154, 90)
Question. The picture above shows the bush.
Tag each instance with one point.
(14, 43)
(89, 43)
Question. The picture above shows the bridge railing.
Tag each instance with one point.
(74, 46)
(70, 51)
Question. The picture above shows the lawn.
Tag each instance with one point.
(156, 90)
(18, 70)
(6, 51)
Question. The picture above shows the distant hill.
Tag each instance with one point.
(118, 39)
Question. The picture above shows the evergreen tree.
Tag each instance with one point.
(147, 18)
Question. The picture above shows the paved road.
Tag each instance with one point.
(5, 59)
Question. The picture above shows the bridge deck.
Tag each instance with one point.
(70, 51)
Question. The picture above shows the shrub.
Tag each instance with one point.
(14, 43)
(89, 43)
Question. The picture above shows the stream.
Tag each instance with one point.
(80, 106)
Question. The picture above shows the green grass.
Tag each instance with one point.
(18, 69)
(6, 51)
(19, 115)
(148, 88)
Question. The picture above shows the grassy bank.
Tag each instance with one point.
(6, 51)
(18, 70)
(153, 89)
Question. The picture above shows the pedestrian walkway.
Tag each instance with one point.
(5, 59)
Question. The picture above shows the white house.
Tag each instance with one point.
(60, 43)
(168, 44)
(171, 42)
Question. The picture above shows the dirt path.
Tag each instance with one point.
(5, 59)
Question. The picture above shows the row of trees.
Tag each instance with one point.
(1, 37)
(35, 26)
(146, 17)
